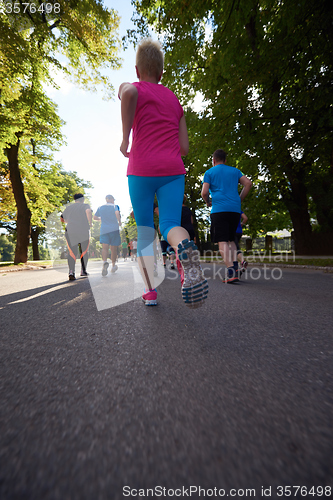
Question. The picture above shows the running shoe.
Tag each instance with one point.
(244, 265)
(172, 266)
(71, 276)
(180, 270)
(114, 268)
(195, 286)
(231, 275)
(105, 268)
(84, 274)
(149, 297)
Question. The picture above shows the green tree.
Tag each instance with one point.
(48, 189)
(129, 229)
(264, 69)
(78, 38)
(7, 248)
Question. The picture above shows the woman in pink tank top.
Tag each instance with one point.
(155, 167)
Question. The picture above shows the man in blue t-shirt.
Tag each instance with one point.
(109, 215)
(221, 181)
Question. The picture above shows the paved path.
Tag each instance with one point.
(234, 396)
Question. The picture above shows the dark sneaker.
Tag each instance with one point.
(84, 274)
(150, 297)
(71, 276)
(105, 268)
(195, 286)
(231, 275)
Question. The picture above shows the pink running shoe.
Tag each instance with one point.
(149, 297)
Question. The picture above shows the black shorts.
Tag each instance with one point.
(190, 231)
(166, 248)
(223, 226)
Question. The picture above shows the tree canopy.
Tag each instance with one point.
(264, 70)
(79, 38)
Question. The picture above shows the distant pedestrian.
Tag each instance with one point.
(222, 182)
(155, 167)
(129, 246)
(167, 251)
(109, 215)
(124, 249)
(134, 248)
(78, 219)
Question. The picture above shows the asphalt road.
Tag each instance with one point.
(124, 401)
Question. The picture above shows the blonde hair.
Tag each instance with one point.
(149, 58)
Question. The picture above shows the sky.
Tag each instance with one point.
(93, 127)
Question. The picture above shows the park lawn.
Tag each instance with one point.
(280, 259)
(37, 263)
(311, 262)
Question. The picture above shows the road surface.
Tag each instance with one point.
(103, 403)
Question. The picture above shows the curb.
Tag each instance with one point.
(11, 269)
(293, 266)
(326, 269)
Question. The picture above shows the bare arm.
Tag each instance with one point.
(205, 193)
(96, 218)
(89, 216)
(128, 95)
(245, 181)
(244, 219)
(118, 217)
(183, 137)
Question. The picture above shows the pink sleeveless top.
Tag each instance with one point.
(155, 147)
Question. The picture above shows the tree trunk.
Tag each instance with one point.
(321, 190)
(23, 212)
(34, 239)
(296, 201)
(302, 231)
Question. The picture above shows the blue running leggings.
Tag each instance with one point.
(170, 192)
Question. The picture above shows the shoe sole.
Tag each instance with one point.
(194, 295)
(149, 302)
(195, 300)
(231, 280)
